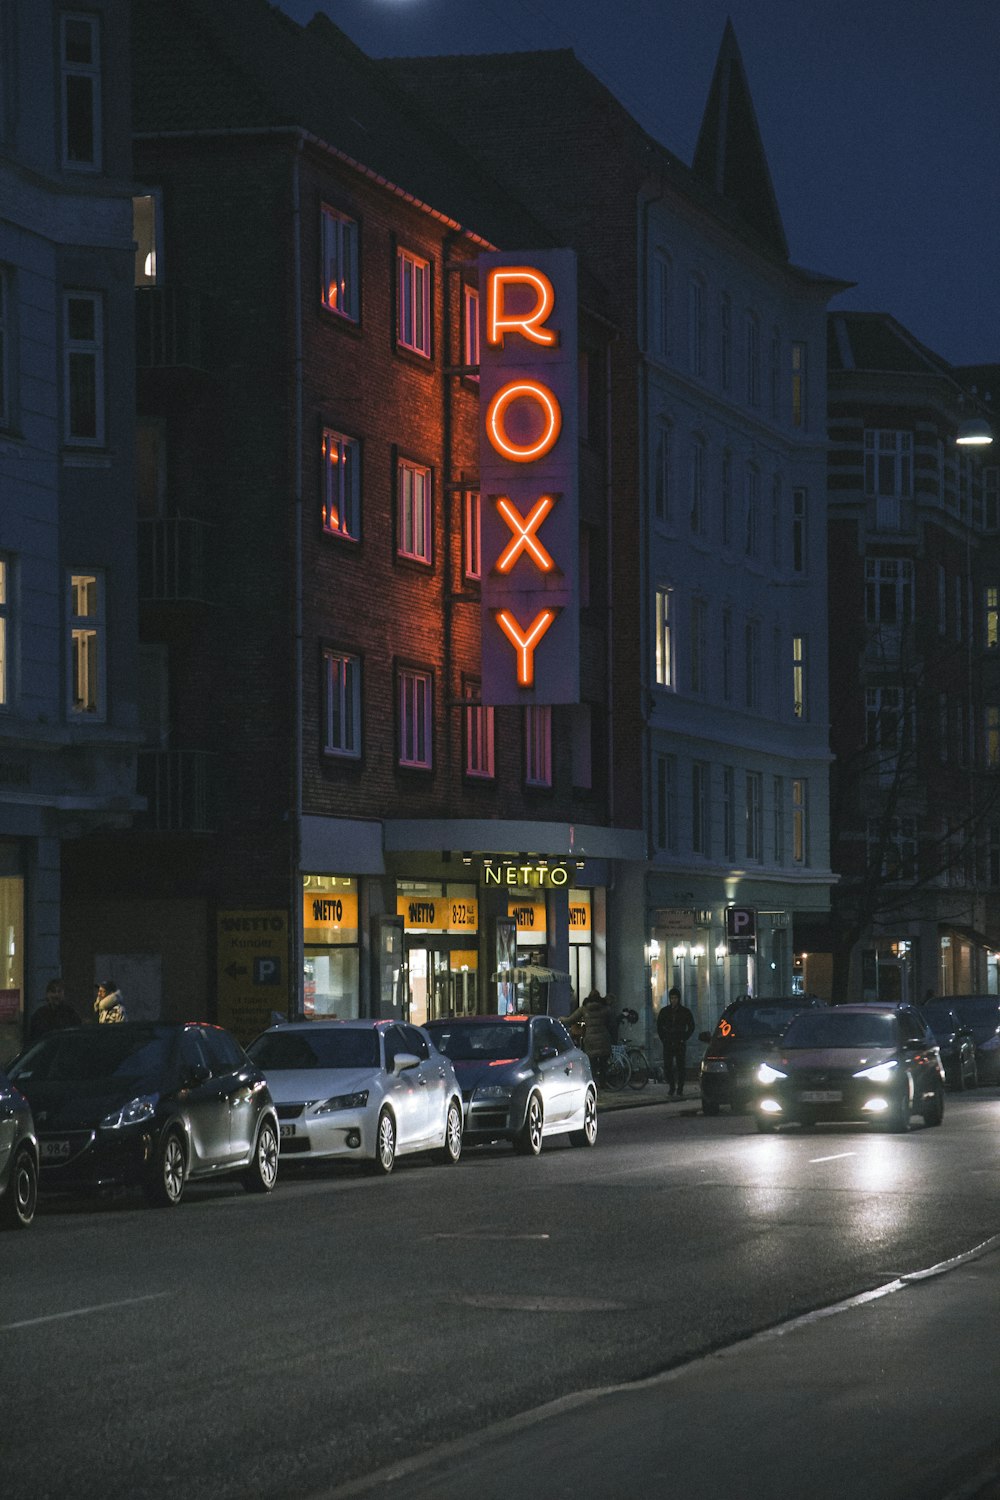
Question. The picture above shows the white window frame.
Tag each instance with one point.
(79, 354)
(664, 641)
(341, 485)
(701, 805)
(479, 735)
(800, 668)
(538, 744)
(342, 704)
(800, 821)
(753, 663)
(470, 330)
(888, 473)
(87, 648)
(414, 513)
(991, 616)
(473, 551)
(754, 816)
(800, 390)
(340, 289)
(778, 820)
(889, 591)
(416, 718)
(696, 471)
(698, 659)
(729, 812)
(76, 71)
(413, 302)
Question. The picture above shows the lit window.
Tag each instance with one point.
(340, 290)
(413, 303)
(473, 535)
(4, 632)
(538, 745)
(799, 706)
(413, 518)
(83, 354)
(470, 309)
(86, 653)
(664, 640)
(342, 718)
(415, 707)
(341, 486)
(478, 734)
(80, 45)
(992, 617)
(145, 227)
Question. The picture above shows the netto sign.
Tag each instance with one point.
(525, 875)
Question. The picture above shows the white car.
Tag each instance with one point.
(368, 1090)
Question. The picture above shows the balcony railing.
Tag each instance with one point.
(169, 327)
(173, 559)
(180, 787)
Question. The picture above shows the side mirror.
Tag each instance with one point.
(704, 1036)
(404, 1060)
(544, 1053)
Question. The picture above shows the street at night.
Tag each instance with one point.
(289, 1345)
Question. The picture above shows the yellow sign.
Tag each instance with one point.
(438, 913)
(252, 970)
(529, 916)
(330, 916)
(579, 916)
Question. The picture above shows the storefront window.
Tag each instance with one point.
(441, 923)
(11, 962)
(331, 952)
(581, 936)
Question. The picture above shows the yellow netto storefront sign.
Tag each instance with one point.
(330, 916)
(438, 913)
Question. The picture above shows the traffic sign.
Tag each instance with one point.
(741, 929)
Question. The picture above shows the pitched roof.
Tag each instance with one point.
(875, 342)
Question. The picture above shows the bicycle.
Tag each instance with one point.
(628, 1065)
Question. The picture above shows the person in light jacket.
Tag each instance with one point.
(110, 1004)
(596, 1015)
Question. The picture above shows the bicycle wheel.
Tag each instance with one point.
(616, 1072)
(638, 1068)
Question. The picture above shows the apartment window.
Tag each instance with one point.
(478, 734)
(799, 704)
(888, 473)
(696, 325)
(80, 47)
(666, 802)
(341, 289)
(341, 486)
(700, 804)
(754, 815)
(775, 373)
(752, 641)
(6, 346)
(538, 745)
(83, 371)
(751, 510)
(660, 309)
(342, 694)
(698, 658)
(992, 736)
(888, 591)
(991, 498)
(778, 824)
(991, 617)
(415, 712)
(799, 531)
(753, 359)
(470, 328)
(726, 497)
(800, 822)
(662, 452)
(726, 341)
(664, 638)
(697, 485)
(888, 724)
(799, 385)
(892, 847)
(4, 632)
(729, 812)
(146, 217)
(413, 512)
(473, 535)
(776, 521)
(413, 303)
(86, 646)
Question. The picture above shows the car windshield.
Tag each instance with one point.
(836, 1028)
(977, 1010)
(92, 1054)
(479, 1043)
(755, 1021)
(322, 1047)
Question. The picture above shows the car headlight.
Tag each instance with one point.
(880, 1073)
(767, 1074)
(133, 1113)
(492, 1091)
(715, 1065)
(343, 1101)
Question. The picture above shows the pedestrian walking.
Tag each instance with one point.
(54, 1015)
(674, 1025)
(598, 1034)
(110, 1003)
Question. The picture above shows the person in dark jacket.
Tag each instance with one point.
(595, 1013)
(54, 1015)
(674, 1025)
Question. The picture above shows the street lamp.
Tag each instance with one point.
(975, 433)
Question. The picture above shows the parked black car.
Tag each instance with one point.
(746, 1032)
(18, 1158)
(148, 1105)
(981, 1014)
(878, 1063)
(956, 1041)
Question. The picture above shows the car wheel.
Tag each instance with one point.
(17, 1207)
(528, 1141)
(933, 1110)
(165, 1186)
(385, 1144)
(708, 1108)
(450, 1152)
(970, 1079)
(262, 1173)
(588, 1135)
(897, 1119)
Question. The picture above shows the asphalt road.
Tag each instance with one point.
(281, 1347)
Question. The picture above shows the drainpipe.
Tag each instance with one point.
(295, 841)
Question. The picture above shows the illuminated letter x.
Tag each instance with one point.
(525, 641)
(524, 529)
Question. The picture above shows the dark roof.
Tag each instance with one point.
(217, 65)
(876, 342)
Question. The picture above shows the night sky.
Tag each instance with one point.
(880, 119)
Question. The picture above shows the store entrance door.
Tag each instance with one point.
(436, 989)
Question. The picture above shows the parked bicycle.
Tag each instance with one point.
(628, 1065)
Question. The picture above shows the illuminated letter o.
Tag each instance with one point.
(559, 876)
(527, 390)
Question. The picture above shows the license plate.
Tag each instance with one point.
(287, 1130)
(54, 1150)
(821, 1096)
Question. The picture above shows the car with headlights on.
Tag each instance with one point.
(981, 1014)
(18, 1158)
(523, 1079)
(956, 1041)
(149, 1105)
(746, 1033)
(364, 1090)
(876, 1063)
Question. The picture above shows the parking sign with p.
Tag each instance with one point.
(741, 929)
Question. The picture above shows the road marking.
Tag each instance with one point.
(81, 1312)
(486, 1235)
(838, 1157)
(528, 1303)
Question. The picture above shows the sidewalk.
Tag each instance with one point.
(653, 1093)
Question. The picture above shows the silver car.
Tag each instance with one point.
(18, 1159)
(364, 1090)
(523, 1078)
